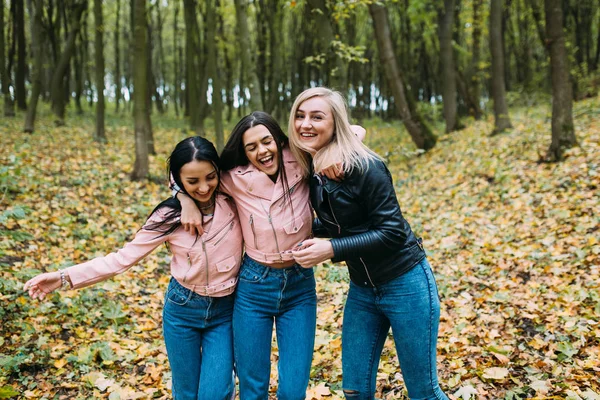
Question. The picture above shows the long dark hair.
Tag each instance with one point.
(234, 155)
(193, 148)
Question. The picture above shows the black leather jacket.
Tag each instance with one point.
(362, 216)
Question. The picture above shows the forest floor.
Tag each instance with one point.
(514, 244)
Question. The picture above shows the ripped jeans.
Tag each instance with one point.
(410, 305)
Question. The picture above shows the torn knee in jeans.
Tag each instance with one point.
(351, 393)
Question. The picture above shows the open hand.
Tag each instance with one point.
(43, 284)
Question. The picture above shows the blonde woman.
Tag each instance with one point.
(392, 284)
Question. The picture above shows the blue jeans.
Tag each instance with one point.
(286, 297)
(411, 306)
(199, 341)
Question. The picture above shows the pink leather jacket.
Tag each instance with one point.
(207, 265)
(269, 226)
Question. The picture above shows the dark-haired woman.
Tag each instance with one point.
(197, 316)
(271, 194)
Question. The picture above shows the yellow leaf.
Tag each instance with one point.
(60, 363)
(495, 373)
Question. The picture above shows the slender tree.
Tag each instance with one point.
(176, 64)
(193, 79)
(421, 135)
(19, 25)
(563, 131)
(58, 78)
(213, 73)
(4, 76)
(140, 84)
(100, 135)
(475, 73)
(336, 68)
(501, 117)
(245, 49)
(448, 71)
(117, 57)
(36, 73)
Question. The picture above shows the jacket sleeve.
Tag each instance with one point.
(102, 268)
(374, 189)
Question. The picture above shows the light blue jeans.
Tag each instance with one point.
(409, 305)
(287, 298)
(199, 341)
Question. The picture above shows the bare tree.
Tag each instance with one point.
(563, 131)
(100, 135)
(36, 73)
(213, 71)
(245, 49)
(140, 85)
(501, 117)
(4, 76)
(58, 78)
(421, 135)
(448, 71)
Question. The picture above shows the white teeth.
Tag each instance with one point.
(266, 159)
(308, 135)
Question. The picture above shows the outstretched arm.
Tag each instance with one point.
(100, 268)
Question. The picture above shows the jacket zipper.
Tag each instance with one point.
(206, 258)
(334, 218)
(275, 236)
(189, 261)
(367, 271)
(253, 231)
(222, 237)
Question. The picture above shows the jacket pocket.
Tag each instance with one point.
(179, 296)
(226, 265)
(293, 226)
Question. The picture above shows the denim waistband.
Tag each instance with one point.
(251, 263)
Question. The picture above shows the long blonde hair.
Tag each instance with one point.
(344, 147)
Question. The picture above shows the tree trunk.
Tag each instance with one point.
(421, 135)
(501, 117)
(20, 93)
(100, 135)
(176, 52)
(448, 74)
(79, 58)
(140, 83)
(150, 86)
(117, 57)
(213, 72)
(474, 87)
(336, 67)
(57, 88)
(274, 15)
(4, 76)
(191, 54)
(245, 47)
(36, 75)
(563, 131)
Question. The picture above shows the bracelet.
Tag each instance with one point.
(63, 279)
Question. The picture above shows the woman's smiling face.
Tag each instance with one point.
(314, 123)
(261, 149)
(200, 179)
